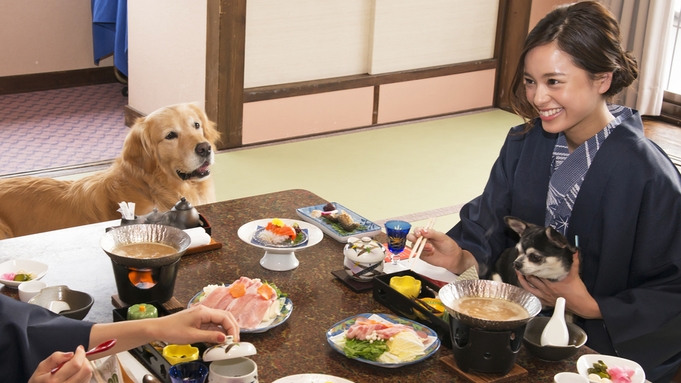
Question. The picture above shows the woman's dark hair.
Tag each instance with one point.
(590, 34)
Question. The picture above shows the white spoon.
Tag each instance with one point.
(556, 332)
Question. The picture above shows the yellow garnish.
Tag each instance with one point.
(277, 222)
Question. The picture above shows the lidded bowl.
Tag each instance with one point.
(364, 258)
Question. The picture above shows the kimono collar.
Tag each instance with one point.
(569, 169)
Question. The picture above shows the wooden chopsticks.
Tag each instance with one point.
(416, 250)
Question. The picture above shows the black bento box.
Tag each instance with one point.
(150, 357)
(408, 308)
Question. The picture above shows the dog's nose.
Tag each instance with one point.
(518, 264)
(203, 149)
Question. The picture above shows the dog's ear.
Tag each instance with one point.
(210, 131)
(518, 225)
(559, 239)
(137, 147)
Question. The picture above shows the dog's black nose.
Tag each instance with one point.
(518, 265)
(203, 149)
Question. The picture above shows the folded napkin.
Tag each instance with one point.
(470, 274)
(198, 236)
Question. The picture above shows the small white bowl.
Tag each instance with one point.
(38, 269)
(587, 361)
(28, 290)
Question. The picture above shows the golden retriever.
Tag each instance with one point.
(166, 156)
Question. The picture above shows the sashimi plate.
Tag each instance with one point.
(367, 228)
(280, 258)
(311, 378)
(431, 346)
(284, 314)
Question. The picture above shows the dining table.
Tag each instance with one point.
(319, 299)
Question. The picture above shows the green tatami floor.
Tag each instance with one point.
(413, 171)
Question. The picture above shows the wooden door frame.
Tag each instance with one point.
(225, 55)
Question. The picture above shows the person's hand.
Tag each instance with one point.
(198, 324)
(76, 368)
(441, 250)
(572, 288)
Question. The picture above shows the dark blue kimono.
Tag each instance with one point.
(627, 216)
(30, 333)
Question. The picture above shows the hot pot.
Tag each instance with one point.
(142, 280)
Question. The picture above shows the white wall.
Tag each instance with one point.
(166, 53)
(38, 36)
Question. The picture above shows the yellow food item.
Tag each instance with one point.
(406, 285)
(406, 345)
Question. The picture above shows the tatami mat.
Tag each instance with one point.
(412, 171)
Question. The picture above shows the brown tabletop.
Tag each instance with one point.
(319, 299)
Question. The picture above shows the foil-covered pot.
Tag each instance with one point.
(489, 289)
(145, 233)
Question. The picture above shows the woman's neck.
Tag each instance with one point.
(588, 127)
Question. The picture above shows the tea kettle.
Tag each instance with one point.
(183, 216)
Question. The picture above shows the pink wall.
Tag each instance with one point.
(434, 96)
(304, 115)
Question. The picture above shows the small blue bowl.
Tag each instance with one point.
(190, 372)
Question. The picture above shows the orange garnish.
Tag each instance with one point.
(237, 290)
(266, 291)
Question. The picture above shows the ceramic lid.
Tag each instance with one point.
(229, 350)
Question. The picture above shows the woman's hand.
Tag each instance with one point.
(572, 288)
(76, 368)
(198, 324)
(441, 250)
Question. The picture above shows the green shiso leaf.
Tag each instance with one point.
(355, 348)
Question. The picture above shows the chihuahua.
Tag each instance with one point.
(542, 252)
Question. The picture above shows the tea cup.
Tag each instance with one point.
(235, 370)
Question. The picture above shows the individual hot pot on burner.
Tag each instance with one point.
(143, 278)
(485, 345)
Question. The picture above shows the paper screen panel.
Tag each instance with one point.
(301, 40)
(411, 34)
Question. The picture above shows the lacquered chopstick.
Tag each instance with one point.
(416, 250)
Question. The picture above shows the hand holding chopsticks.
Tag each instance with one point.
(421, 242)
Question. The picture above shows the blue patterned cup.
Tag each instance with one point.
(397, 237)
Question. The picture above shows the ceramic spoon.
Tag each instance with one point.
(556, 332)
(101, 348)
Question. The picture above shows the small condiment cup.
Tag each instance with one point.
(190, 372)
(569, 377)
(28, 290)
(406, 285)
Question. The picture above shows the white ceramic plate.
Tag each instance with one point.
(431, 347)
(312, 378)
(280, 258)
(284, 314)
(246, 231)
(587, 361)
(368, 228)
(37, 269)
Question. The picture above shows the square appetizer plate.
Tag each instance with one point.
(366, 228)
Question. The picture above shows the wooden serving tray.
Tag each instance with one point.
(516, 373)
